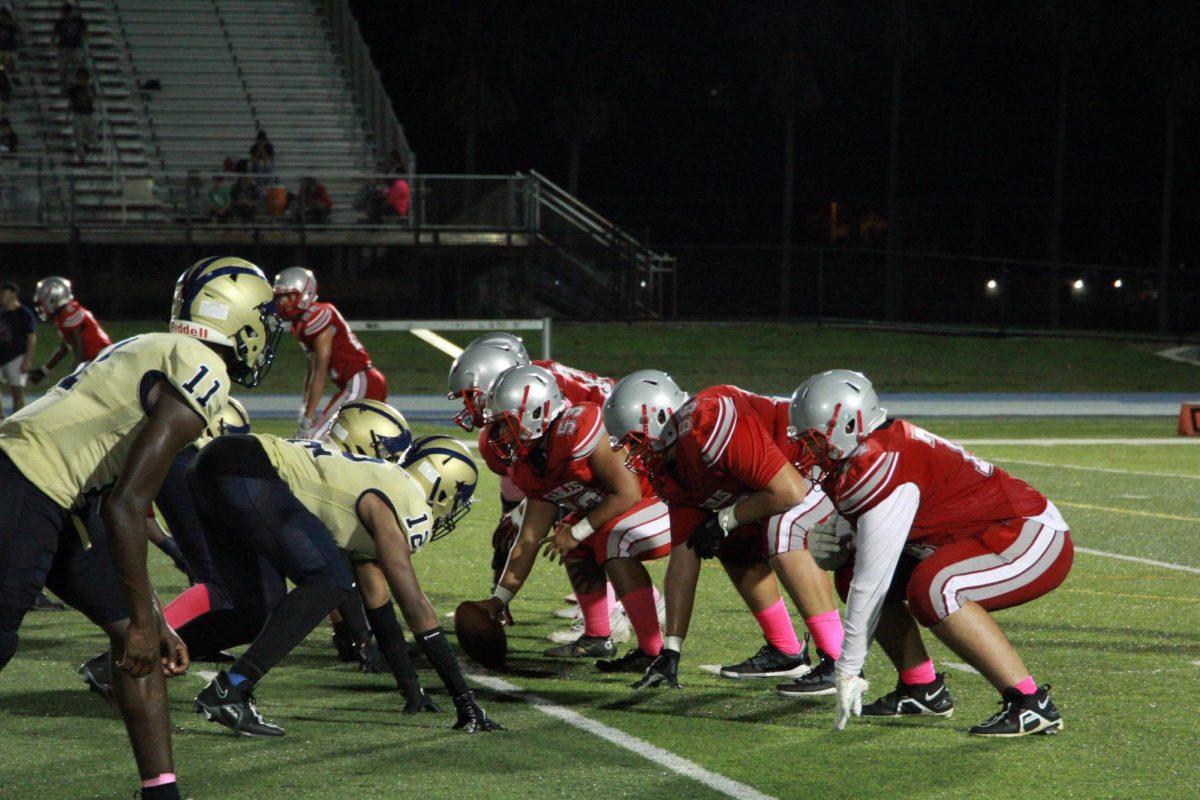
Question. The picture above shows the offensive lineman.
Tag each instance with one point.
(942, 538)
(116, 423)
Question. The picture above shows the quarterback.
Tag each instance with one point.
(942, 539)
(114, 425)
(78, 331)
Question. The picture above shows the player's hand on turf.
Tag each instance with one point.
(416, 701)
(471, 717)
(707, 537)
(850, 690)
(663, 669)
(36, 375)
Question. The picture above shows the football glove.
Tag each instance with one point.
(850, 690)
(707, 537)
(471, 717)
(416, 701)
(831, 542)
(663, 669)
(369, 659)
(36, 375)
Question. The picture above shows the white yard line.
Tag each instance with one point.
(1148, 561)
(958, 665)
(1147, 442)
(1110, 470)
(664, 758)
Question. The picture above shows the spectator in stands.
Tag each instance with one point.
(70, 34)
(262, 155)
(18, 339)
(217, 201)
(393, 164)
(399, 196)
(243, 199)
(314, 205)
(81, 98)
(8, 138)
(10, 38)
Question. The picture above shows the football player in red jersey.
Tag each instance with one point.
(471, 375)
(722, 462)
(557, 453)
(942, 538)
(333, 351)
(78, 330)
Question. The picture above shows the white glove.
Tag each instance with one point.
(850, 690)
(303, 424)
(830, 542)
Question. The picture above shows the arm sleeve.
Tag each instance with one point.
(882, 533)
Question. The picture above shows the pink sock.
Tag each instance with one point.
(1026, 686)
(918, 675)
(595, 613)
(777, 627)
(159, 780)
(826, 630)
(643, 616)
(189, 605)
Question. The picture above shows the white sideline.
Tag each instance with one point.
(1148, 441)
(664, 758)
(1148, 561)
(1111, 470)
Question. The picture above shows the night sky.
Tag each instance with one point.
(690, 146)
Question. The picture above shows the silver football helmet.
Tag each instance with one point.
(520, 407)
(472, 373)
(295, 291)
(51, 294)
(641, 414)
(832, 413)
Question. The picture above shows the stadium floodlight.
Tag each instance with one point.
(1118, 283)
(1077, 285)
(992, 285)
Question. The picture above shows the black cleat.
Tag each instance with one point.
(98, 677)
(1021, 715)
(817, 682)
(635, 660)
(921, 699)
(233, 707)
(43, 603)
(583, 647)
(770, 662)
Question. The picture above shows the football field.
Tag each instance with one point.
(1119, 641)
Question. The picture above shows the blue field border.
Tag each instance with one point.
(436, 408)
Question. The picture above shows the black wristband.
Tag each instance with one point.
(390, 636)
(435, 647)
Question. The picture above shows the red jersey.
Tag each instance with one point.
(961, 494)
(728, 446)
(579, 386)
(74, 317)
(348, 356)
(490, 456)
(559, 472)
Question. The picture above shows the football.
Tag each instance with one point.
(480, 636)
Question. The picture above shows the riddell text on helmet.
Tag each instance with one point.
(194, 331)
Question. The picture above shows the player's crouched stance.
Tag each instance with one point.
(943, 538)
(294, 505)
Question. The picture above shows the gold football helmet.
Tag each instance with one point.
(228, 301)
(371, 428)
(232, 419)
(447, 473)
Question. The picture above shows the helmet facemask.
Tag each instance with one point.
(473, 410)
(252, 363)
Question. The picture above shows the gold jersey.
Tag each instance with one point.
(74, 439)
(329, 483)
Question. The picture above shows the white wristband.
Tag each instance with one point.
(673, 643)
(503, 595)
(727, 519)
(581, 530)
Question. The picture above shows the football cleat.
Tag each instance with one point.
(927, 699)
(636, 660)
(585, 647)
(770, 662)
(97, 674)
(1021, 715)
(569, 612)
(43, 603)
(819, 681)
(620, 629)
(233, 707)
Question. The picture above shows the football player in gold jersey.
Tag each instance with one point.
(114, 425)
(294, 507)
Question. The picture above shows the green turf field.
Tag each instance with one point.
(1120, 642)
(771, 358)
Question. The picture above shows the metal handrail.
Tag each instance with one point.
(364, 78)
